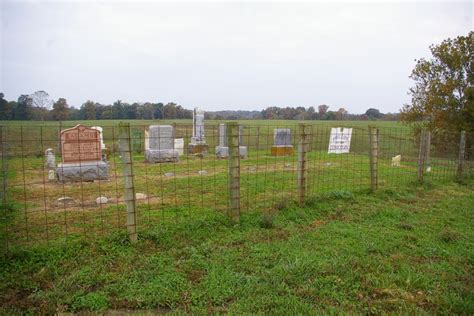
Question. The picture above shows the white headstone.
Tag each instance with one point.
(340, 140)
(50, 159)
(147, 140)
(179, 145)
(396, 161)
(98, 128)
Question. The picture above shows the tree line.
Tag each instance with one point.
(25, 109)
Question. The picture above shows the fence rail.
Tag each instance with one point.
(136, 194)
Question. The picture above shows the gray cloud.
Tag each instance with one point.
(223, 56)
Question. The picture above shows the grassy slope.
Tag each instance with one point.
(395, 251)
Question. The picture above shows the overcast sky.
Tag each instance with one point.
(223, 56)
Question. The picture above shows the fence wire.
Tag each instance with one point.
(40, 209)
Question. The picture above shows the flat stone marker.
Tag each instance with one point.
(222, 151)
(282, 145)
(81, 155)
(198, 140)
(161, 144)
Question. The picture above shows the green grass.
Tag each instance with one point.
(403, 251)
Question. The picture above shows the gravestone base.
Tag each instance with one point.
(198, 149)
(282, 150)
(82, 171)
(161, 155)
(222, 152)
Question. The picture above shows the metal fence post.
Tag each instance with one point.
(303, 147)
(234, 171)
(373, 157)
(125, 148)
(462, 155)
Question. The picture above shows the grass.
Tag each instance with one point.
(404, 251)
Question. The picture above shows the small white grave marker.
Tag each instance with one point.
(396, 161)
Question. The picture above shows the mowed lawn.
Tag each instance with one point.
(408, 250)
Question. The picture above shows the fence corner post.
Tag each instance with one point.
(234, 171)
(302, 149)
(462, 156)
(125, 148)
(373, 157)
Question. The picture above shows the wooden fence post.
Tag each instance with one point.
(303, 147)
(462, 155)
(373, 157)
(234, 171)
(125, 148)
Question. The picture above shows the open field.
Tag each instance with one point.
(407, 251)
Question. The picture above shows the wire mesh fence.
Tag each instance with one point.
(158, 176)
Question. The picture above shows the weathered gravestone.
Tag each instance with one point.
(198, 140)
(340, 140)
(282, 145)
(161, 144)
(179, 145)
(147, 140)
(81, 155)
(222, 151)
(50, 159)
(98, 128)
(50, 163)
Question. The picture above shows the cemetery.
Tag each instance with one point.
(238, 158)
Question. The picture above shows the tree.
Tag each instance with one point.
(60, 110)
(373, 114)
(23, 110)
(42, 102)
(88, 110)
(322, 110)
(6, 108)
(443, 95)
(341, 114)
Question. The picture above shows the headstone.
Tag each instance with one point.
(161, 144)
(81, 155)
(340, 140)
(179, 145)
(396, 161)
(98, 128)
(50, 159)
(198, 140)
(222, 151)
(51, 175)
(282, 144)
(147, 140)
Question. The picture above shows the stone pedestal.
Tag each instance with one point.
(198, 149)
(82, 171)
(162, 155)
(222, 152)
(285, 150)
